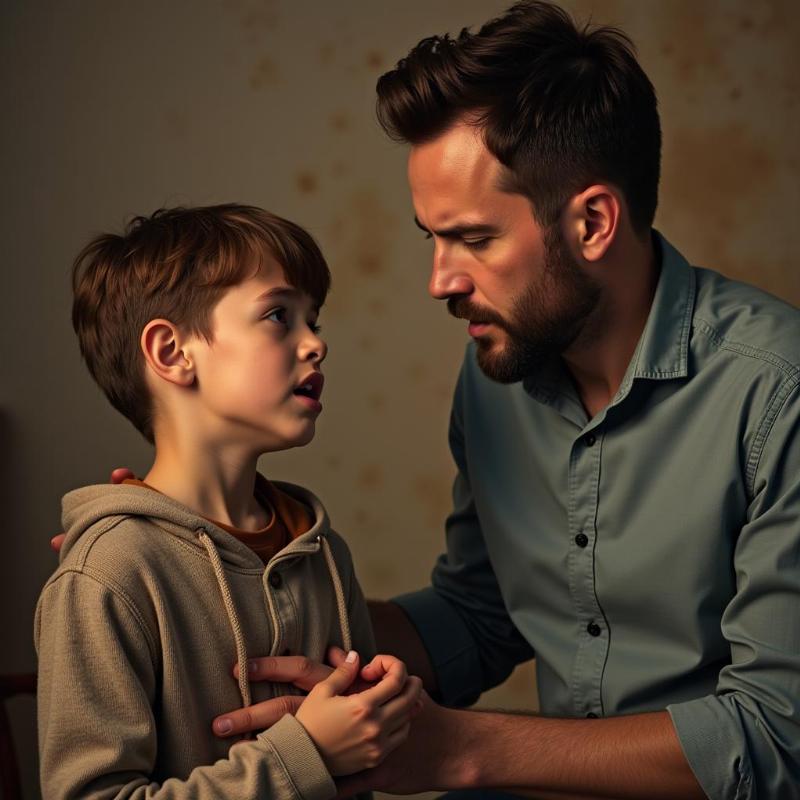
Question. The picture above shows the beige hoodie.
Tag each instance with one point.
(137, 632)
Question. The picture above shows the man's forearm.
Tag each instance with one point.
(637, 756)
(395, 634)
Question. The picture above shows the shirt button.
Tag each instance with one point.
(594, 629)
(589, 439)
(275, 580)
(581, 540)
(591, 715)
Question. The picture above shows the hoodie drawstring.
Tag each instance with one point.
(341, 604)
(233, 617)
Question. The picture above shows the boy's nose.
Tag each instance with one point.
(313, 349)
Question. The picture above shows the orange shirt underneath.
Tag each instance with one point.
(289, 518)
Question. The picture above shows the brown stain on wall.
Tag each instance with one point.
(376, 401)
(688, 43)
(717, 178)
(432, 492)
(265, 72)
(370, 476)
(359, 250)
(340, 121)
(417, 372)
(306, 182)
(374, 60)
(373, 222)
(377, 307)
(326, 53)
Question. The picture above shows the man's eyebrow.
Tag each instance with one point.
(464, 229)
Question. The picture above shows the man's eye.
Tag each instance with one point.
(277, 315)
(476, 244)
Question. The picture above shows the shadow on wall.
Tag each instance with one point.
(21, 709)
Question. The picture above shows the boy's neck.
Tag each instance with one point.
(215, 485)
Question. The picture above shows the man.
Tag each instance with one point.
(625, 430)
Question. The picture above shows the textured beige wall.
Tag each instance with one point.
(117, 108)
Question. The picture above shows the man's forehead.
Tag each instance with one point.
(459, 151)
(454, 178)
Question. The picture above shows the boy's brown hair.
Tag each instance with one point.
(175, 264)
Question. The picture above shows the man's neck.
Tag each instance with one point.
(599, 358)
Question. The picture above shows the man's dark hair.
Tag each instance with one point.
(562, 106)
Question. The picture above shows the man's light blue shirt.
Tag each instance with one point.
(648, 557)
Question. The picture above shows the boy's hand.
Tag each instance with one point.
(357, 731)
(117, 476)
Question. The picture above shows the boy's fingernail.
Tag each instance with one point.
(252, 667)
(223, 725)
(351, 657)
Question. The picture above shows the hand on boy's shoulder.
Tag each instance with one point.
(117, 476)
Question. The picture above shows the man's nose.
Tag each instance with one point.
(447, 277)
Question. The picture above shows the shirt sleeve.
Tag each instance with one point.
(97, 729)
(462, 618)
(744, 741)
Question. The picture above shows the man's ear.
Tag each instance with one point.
(593, 217)
(166, 353)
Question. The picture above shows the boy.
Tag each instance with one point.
(200, 325)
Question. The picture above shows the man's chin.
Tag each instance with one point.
(497, 363)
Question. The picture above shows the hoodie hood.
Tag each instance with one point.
(84, 508)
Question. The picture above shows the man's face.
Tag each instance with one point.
(517, 284)
(259, 377)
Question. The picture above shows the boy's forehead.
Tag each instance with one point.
(268, 281)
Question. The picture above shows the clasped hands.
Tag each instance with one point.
(354, 715)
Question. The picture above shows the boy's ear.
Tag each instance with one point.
(164, 348)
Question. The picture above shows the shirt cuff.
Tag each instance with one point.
(300, 758)
(710, 733)
(450, 645)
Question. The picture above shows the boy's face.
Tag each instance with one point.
(258, 379)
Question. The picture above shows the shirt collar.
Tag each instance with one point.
(663, 349)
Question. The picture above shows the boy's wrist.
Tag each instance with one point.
(301, 758)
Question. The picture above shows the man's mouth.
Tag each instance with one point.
(478, 328)
(311, 386)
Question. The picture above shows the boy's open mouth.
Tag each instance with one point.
(311, 386)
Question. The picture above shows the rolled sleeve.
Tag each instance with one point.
(744, 742)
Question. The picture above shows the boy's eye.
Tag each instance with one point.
(314, 328)
(277, 315)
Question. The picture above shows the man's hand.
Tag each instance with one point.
(305, 674)
(430, 759)
(357, 731)
(300, 671)
(117, 476)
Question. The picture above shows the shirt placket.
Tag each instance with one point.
(593, 635)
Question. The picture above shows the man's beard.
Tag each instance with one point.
(544, 321)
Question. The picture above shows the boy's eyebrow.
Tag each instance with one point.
(289, 292)
(279, 291)
(476, 228)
